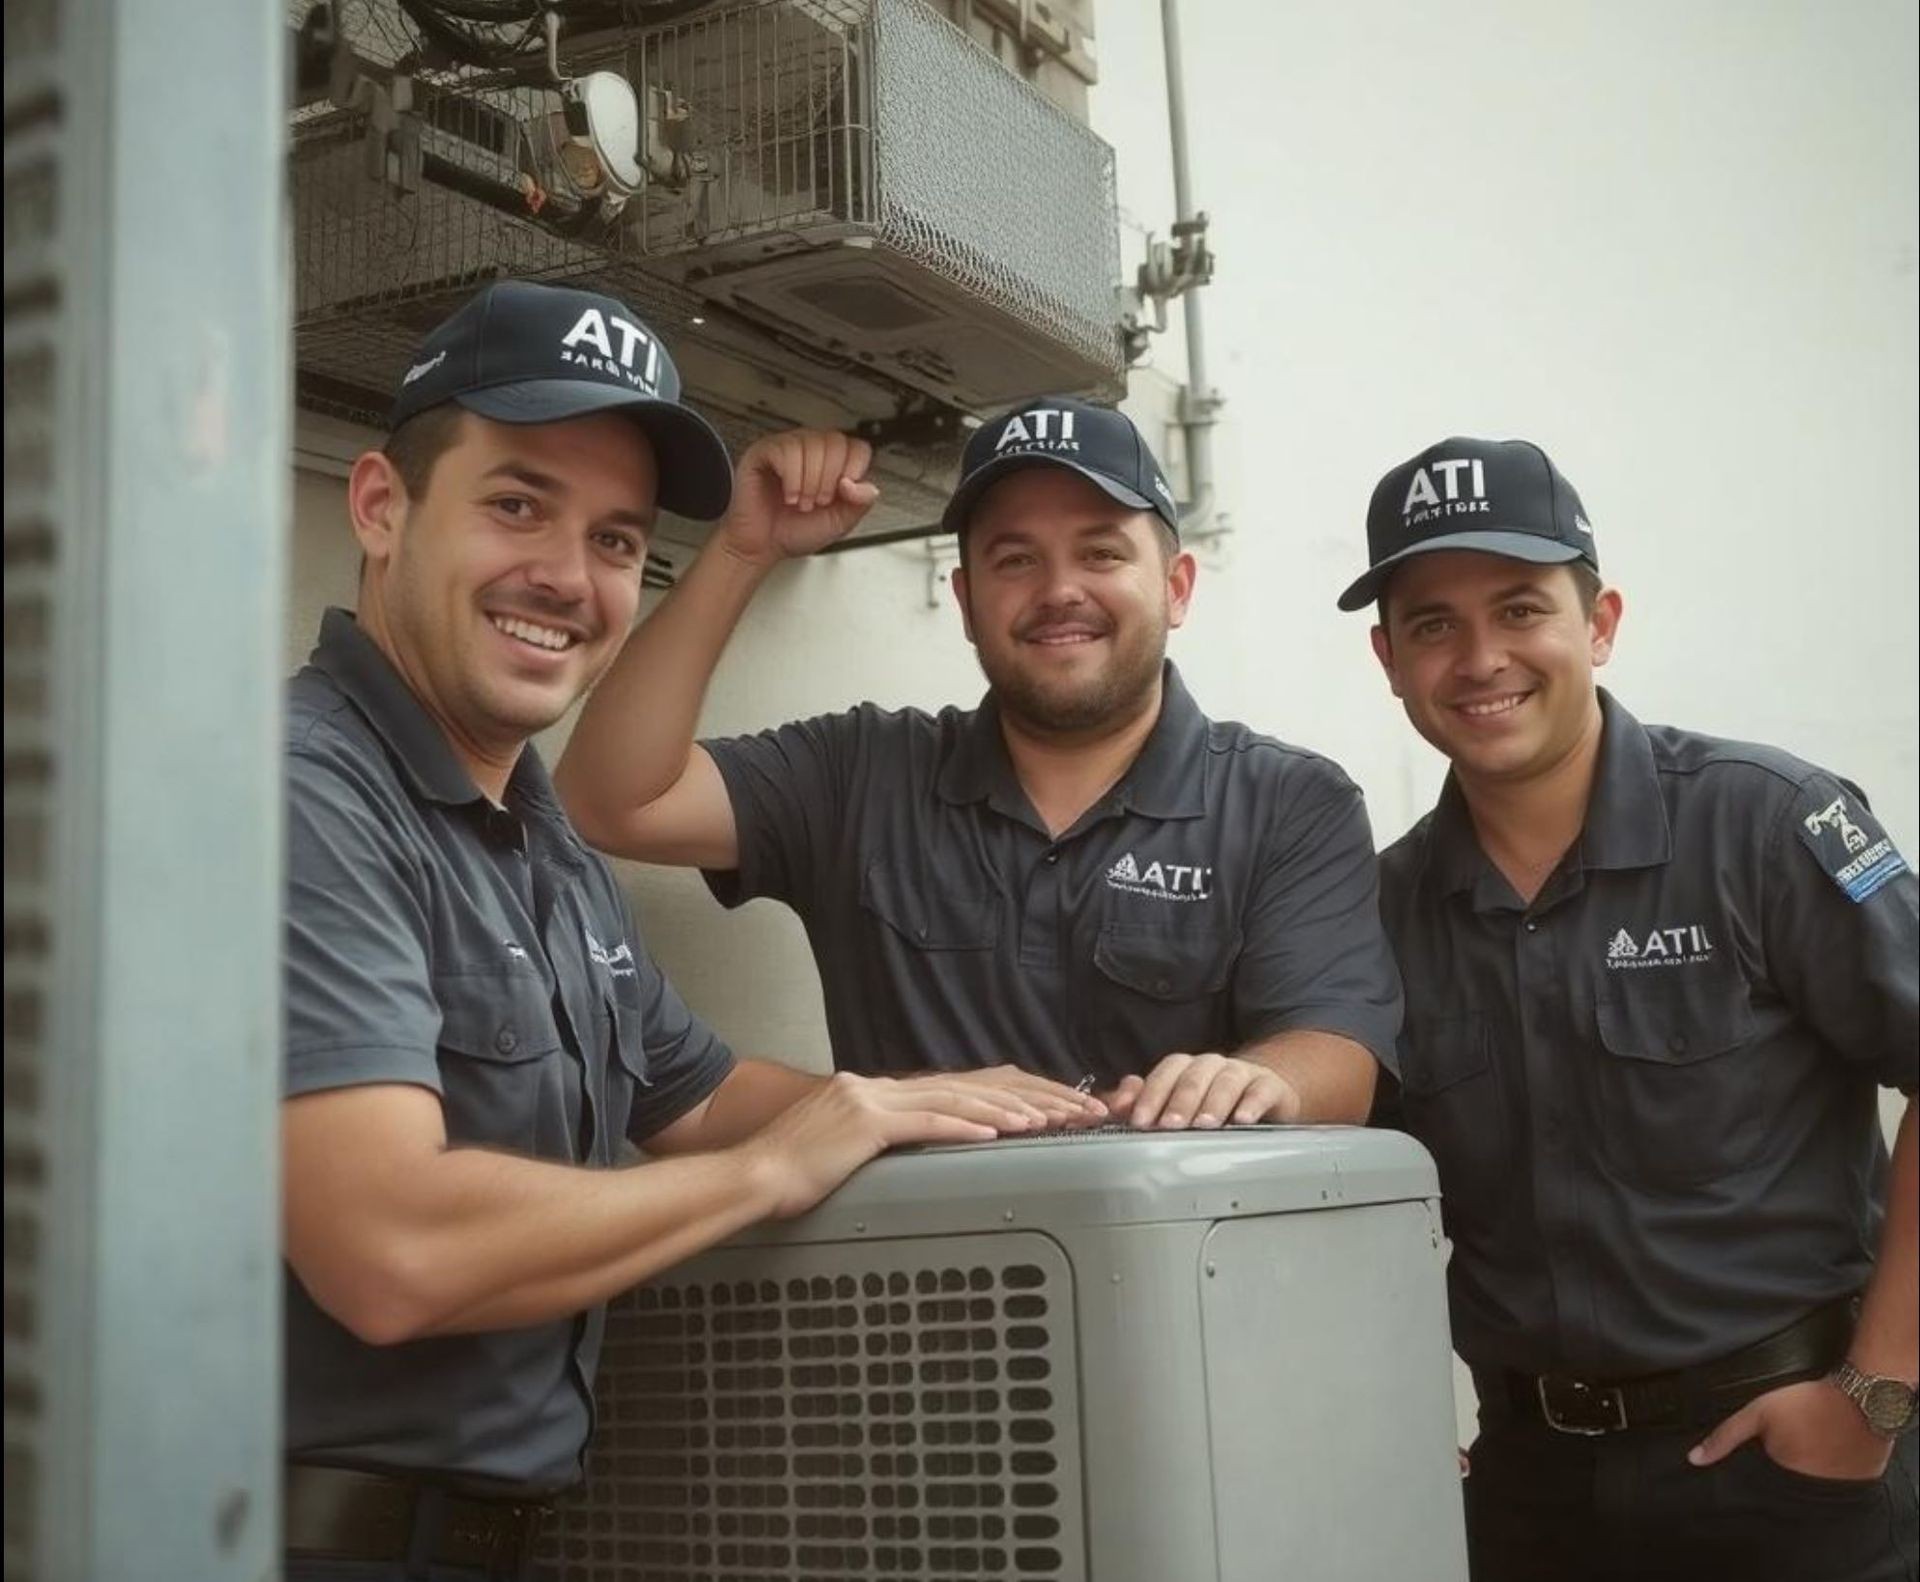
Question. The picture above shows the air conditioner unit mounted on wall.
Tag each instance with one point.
(851, 213)
(1195, 1357)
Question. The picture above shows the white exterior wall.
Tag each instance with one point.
(1674, 245)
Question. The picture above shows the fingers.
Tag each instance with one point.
(1121, 1098)
(1466, 1466)
(1727, 1437)
(957, 1095)
(1206, 1091)
(816, 467)
(1060, 1104)
(934, 1126)
(819, 452)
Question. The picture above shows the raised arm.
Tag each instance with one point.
(633, 779)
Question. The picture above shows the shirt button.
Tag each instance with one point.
(506, 1040)
(920, 932)
(1677, 1044)
(1162, 986)
(1053, 856)
(1532, 927)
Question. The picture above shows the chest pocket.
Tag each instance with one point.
(498, 1050)
(924, 916)
(1157, 988)
(1456, 1104)
(1675, 1103)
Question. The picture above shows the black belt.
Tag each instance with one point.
(1687, 1398)
(336, 1513)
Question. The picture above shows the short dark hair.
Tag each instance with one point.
(419, 443)
(1586, 588)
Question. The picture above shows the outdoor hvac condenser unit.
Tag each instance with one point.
(1193, 1357)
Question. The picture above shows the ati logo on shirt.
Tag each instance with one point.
(1662, 947)
(1427, 500)
(618, 961)
(1165, 881)
(1044, 428)
(589, 345)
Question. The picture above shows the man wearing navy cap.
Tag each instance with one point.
(475, 1032)
(1084, 876)
(1655, 981)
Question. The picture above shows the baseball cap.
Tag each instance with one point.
(1501, 497)
(521, 352)
(1097, 442)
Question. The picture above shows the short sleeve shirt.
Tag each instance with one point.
(1223, 891)
(1651, 1094)
(485, 954)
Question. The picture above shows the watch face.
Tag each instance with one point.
(1888, 1405)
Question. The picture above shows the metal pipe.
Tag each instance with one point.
(1198, 403)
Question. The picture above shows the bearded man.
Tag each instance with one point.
(1083, 877)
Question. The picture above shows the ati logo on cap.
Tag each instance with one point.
(1044, 428)
(1425, 501)
(588, 345)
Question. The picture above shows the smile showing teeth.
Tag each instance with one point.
(1489, 707)
(539, 636)
(1061, 639)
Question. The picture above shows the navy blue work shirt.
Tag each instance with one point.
(486, 954)
(1652, 1093)
(1223, 891)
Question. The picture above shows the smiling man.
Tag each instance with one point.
(1084, 876)
(475, 1032)
(1654, 981)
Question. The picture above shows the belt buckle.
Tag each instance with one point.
(515, 1539)
(1600, 1409)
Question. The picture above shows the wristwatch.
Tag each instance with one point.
(1889, 1405)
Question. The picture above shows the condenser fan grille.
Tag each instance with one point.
(867, 1414)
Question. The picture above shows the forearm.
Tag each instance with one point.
(486, 1241)
(1333, 1076)
(1887, 1339)
(634, 736)
(754, 1092)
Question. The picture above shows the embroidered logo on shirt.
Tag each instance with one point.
(1866, 859)
(514, 952)
(618, 961)
(1834, 817)
(1662, 947)
(1165, 881)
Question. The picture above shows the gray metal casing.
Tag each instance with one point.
(1188, 1357)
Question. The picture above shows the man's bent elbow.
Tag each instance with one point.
(379, 1300)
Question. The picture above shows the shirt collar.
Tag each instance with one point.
(1626, 826)
(1165, 780)
(356, 665)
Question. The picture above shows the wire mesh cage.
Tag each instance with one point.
(851, 188)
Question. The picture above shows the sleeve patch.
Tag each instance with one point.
(1849, 844)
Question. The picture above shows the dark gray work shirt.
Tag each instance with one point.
(1652, 1093)
(1222, 892)
(486, 954)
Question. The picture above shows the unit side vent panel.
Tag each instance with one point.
(1025, 214)
(892, 1412)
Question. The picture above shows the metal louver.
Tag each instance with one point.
(898, 1410)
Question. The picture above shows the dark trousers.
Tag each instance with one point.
(1544, 1506)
